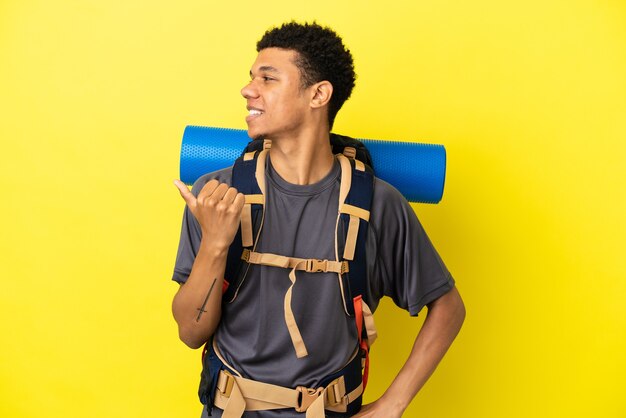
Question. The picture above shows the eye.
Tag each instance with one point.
(266, 78)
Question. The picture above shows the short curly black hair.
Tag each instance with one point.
(321, 56)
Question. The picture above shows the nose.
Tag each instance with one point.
(249, 91)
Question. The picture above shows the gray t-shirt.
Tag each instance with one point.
(300, 222)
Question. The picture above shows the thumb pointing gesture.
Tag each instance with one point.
(217, 209)
(186, 194)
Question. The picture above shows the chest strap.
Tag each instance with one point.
(309, 265)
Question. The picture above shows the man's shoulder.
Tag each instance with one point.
(224, 175)
(389, 206)
(385, 194)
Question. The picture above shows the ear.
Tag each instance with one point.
(322, 93)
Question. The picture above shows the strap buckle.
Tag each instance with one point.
(245, 255)
(225, 383)
(335, 392)
(306, 397)
(316, 266)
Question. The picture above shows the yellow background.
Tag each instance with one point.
(529, 99)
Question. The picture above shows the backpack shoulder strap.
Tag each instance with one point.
(248, 177)
(355, 200)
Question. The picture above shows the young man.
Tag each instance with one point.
(301, 77)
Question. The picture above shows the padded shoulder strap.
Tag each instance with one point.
(354, 217)
(248, 177)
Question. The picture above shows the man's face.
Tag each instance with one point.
(276, 102)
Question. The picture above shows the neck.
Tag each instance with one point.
(303, 159)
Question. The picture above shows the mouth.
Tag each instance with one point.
(253, 114)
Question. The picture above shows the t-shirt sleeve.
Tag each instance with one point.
(190, 232)
(406, 266)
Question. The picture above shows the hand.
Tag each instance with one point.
(217, 209)
(378, 409)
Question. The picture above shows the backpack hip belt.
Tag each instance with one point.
(235, 394)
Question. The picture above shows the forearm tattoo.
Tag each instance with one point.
(206, 299)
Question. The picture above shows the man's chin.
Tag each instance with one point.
(255, 134)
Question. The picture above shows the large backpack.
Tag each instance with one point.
(356, 189)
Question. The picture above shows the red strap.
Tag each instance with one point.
(358, 315)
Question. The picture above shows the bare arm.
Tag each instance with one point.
(197, 304)
(443, 322)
